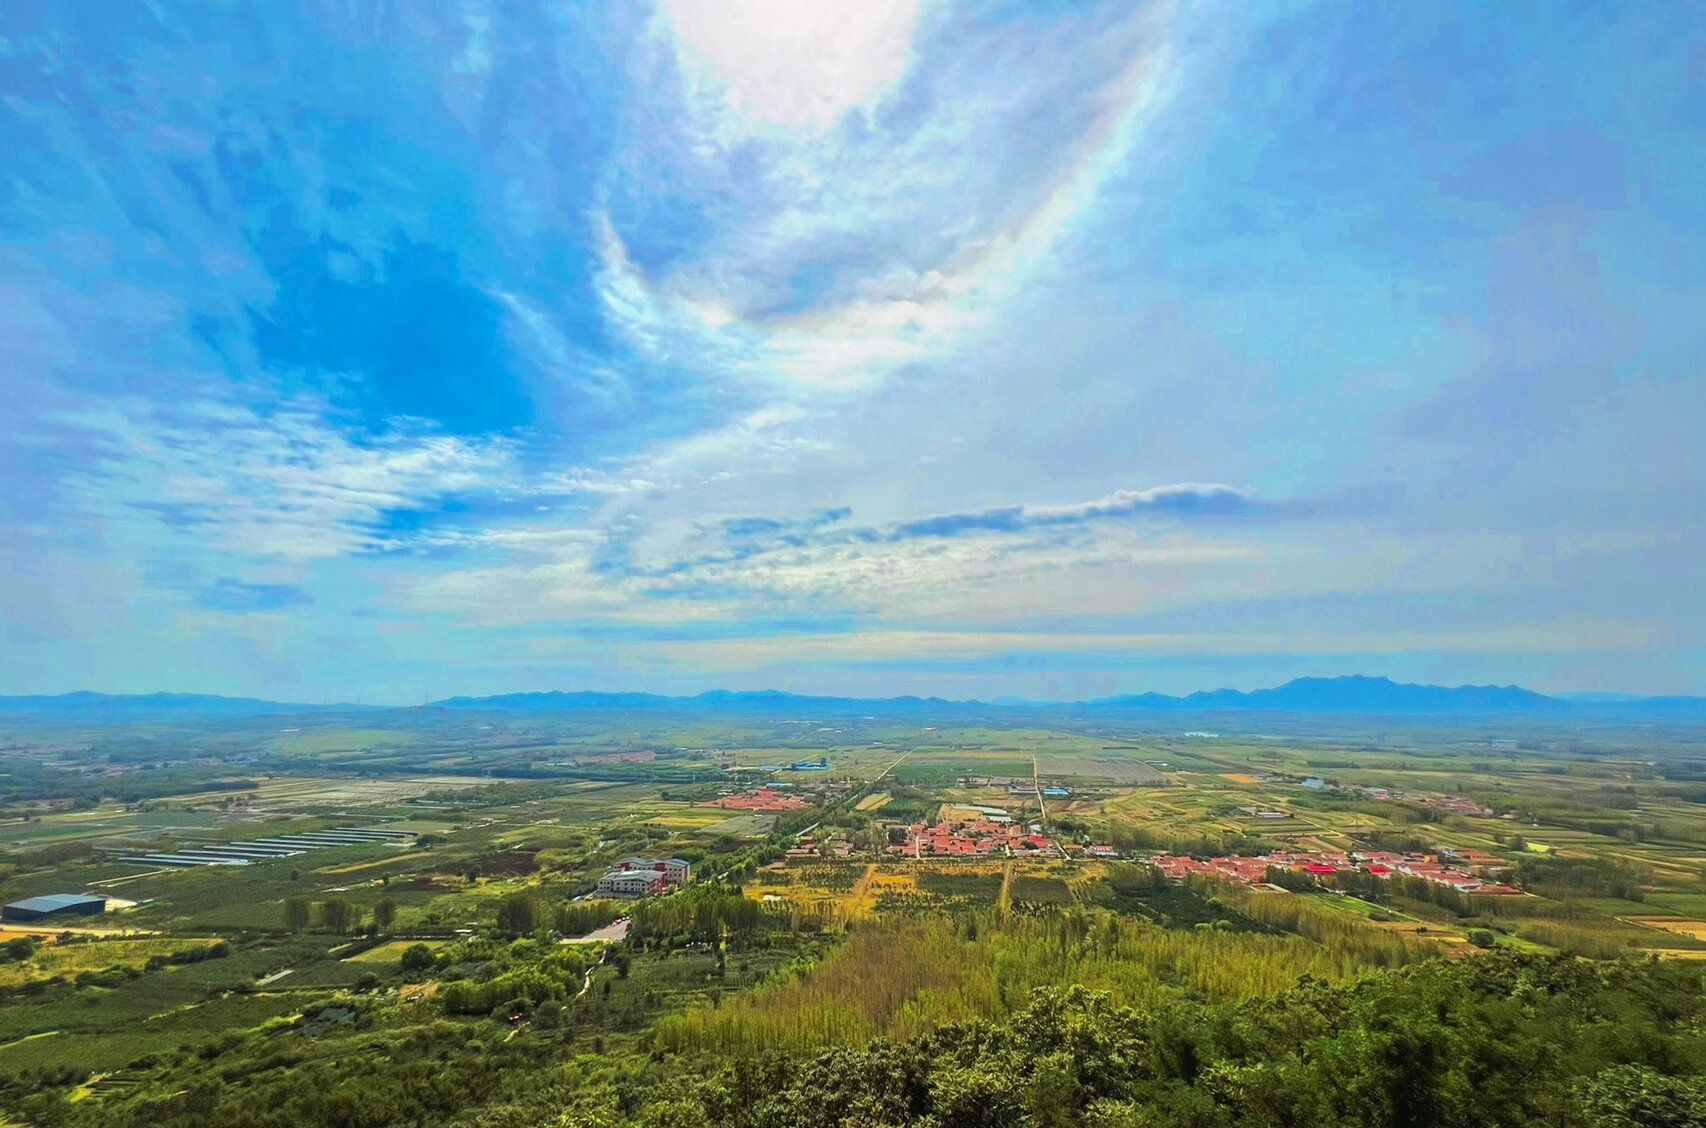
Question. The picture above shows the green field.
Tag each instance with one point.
(516, 819)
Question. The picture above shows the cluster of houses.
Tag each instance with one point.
(1468, 871)
(763, 799)
(829, 844)
(1459, 806)
(644, 877)
(984, 837)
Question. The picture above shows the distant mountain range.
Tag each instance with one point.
(119, 708)
(764, 701)
(1342, 696)
(1352, 695)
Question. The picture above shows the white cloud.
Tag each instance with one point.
(639, 570)
(949, 267)
(285, 485)
(793, 64)
(566, 590)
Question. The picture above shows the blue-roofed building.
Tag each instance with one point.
(52, 905)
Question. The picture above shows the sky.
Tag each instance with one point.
(373, 351)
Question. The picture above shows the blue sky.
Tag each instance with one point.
(366, 350)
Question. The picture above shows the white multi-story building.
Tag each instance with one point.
(632, 883)
(675, 871)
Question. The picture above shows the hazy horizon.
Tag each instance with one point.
(967, 350)
(430, 698)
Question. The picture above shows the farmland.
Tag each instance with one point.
(830, 903)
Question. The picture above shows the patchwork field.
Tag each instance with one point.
(509, 824)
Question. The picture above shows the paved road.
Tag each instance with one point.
(616, 930)
(891, 767)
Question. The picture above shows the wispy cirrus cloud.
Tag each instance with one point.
(1019, 528)
(274, 484)
(252, 598)
(735, 568)
(1178, 501)
(795, 530)
(852, 251)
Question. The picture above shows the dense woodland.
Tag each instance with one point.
(1497, 1041)
(1501, 1040)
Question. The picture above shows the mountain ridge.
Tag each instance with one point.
(89, 704)
(1349, 695)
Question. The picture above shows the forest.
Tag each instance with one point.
(1504, 1040)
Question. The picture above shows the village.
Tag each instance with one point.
(992, 835)
(977, 832)
(1467, 871)
(764, 800)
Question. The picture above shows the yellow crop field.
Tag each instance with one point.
(1695, 929)
(382, 863)
(54, 960)
(689, 820)
(392, 952)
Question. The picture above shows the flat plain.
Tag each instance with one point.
(1601, 843)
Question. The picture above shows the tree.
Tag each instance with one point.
(385, 914)
(1481, 938)
(417, 957)
(1631, 1096)
(339, 915)
(519, 914)
(297, 913)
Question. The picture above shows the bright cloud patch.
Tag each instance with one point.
(795, 64)
(829, 261)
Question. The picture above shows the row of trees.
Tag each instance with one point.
(525, 913)
(706, 914)
(1136, 838)
(1592, 876)
(337, 914)
(1395, 886)
(1338, 932)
